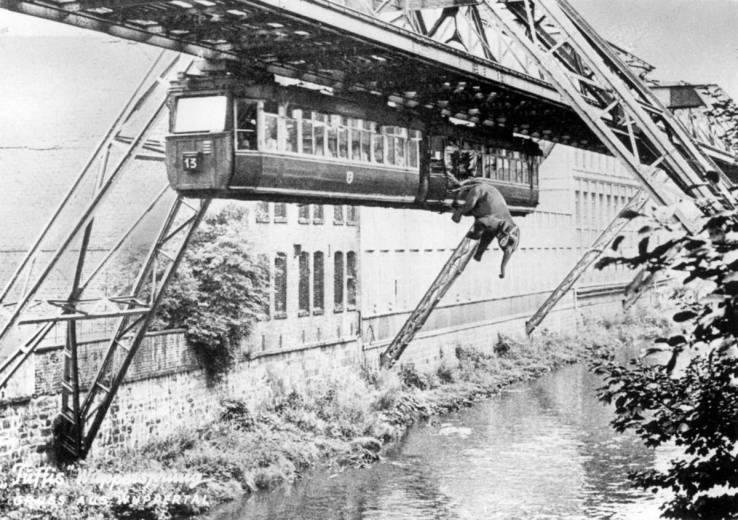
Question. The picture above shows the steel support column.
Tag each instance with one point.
(451, 270)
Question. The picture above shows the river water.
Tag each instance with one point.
(540, 450)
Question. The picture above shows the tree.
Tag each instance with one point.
(691, 400)
(219, 290)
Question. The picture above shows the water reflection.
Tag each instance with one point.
(542, 451)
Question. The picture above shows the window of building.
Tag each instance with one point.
(280, 212)
(304, 285)
(266, 305)
(338, 281)
(280, 285)
(303, 213)
(338, 214)
(351, 280)
(352, 215)
(318, 281)
(317, 213)
(262, 211)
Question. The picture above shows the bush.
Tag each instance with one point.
(691, 398)
(218, 291)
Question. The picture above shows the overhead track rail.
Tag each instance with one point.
(602, 89)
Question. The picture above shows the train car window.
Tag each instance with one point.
(291, 138)
(389, 144)
(319, 129)
(413, 149)
(366, 142)
(271, 126)
(246, 113)
(351, 280)
(355, 139)
(271, 133)
(378, 148)
(304, 285)
(333, 137)
(338, 281)
(307, 137)
(343, 140)
(318, 283)
(400, 144)
(200, 114)
(280, 285)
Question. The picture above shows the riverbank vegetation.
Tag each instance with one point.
(685, 391)
(344, 420)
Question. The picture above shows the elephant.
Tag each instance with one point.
(492, 218)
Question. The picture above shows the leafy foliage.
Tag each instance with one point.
(218, 291)
(690, 397)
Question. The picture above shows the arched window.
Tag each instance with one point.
(280, 285)
(318, 281)
(351, 280)
(338, 281)
(304, 285)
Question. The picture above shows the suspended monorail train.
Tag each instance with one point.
(238, 140)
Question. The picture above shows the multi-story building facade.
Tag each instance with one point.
(343, 274)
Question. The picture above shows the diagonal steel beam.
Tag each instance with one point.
(636, 203)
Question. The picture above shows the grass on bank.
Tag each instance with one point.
(344, 420)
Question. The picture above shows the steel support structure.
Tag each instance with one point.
(84, 406)
(603, 91)
(636, 203)
(160, 265)
(451, 270)
(70, 376)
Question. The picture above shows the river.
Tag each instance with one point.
(539, 450)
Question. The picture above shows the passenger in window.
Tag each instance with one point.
(246, 125)
(451, 158)
(467, 162)
(271, 132)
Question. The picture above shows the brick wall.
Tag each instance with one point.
(165, 390)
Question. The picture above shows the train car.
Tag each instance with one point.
(248, 140)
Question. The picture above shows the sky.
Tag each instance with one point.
(691, 40)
